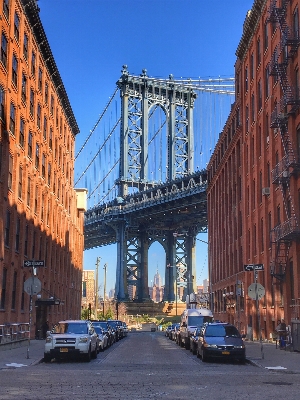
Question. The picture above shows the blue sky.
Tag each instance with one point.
(92, 39)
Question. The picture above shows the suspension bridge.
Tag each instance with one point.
(144, 165)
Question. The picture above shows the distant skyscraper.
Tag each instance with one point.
(156, 291)
(157, 279)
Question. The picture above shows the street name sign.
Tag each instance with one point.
(34, 263)
(254, 267)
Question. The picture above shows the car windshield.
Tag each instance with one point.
(71, 327)
(197, 320)
(101, 324)
(113, 324)
(98, 330)
(221, 331)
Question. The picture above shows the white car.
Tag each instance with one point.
(72, 338)
(102, 338)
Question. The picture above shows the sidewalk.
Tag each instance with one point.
(17, 357)
(274, 359)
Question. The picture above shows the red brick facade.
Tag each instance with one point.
(254, 189)
(39, 218)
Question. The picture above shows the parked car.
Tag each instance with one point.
(71, 338)
(173, 333)
(168, 330)
(102, 338)
(221, 340)
(107, 330)
(194, 340)
(117, 329)
(125, 329)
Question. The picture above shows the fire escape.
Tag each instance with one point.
(284, 233)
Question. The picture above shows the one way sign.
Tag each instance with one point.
(254, 267)
(34, 263)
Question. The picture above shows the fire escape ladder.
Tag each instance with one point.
(283, 234)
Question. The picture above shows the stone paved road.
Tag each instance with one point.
(146, 366)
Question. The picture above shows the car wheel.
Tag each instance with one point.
(194, 350)
(88, 355)
(187, 345)
(198, 354)
(95, 353)
(47, 357)
(204, 356)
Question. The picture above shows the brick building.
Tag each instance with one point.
(41, 215)
(254, 184)
(88, 289)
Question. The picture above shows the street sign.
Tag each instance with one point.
(256, 287)
(32, 285)
(254, 267)
(34, 263)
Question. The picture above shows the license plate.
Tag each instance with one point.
(226, 353)
(63, 349)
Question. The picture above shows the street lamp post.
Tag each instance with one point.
(105, 266)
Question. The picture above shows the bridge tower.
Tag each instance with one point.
(139, 95)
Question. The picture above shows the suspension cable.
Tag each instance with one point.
(99, 119)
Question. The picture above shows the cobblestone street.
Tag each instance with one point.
(145, 366)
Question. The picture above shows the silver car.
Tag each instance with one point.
(72, 338)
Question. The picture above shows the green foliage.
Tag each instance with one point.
(84, 313)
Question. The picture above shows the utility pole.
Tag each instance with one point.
(105, 266)
(96, 288)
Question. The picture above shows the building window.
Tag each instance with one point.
(26, 241)
(23, 296)
(40, 79)
(266, 36)
(43, 165)
(18, 225)
(4, 50)
(251, 67)
(17, 26)
(12, 120)
(52, 105)
(246, 79)
(247, 118)
(3, 289)
(49, 174)
(15, 70)
(20, 183)
(10, 172)
(278, 215)
(252, 108)
(296, 24)
(24, 88)
(7, 229)
(33, 60)
(25, 46)
(28, 191)
(37, 156)
(267, 83)
(1, 103)
(253, 195)
(38, 116)
(6, 8)
(46, 93)
(33, 245)
(259, 90)
(21, 138)
(258, 53)
(30, 145)
(31, 106)
(36, 199)
(297, 84)
(51, 138)
(45, 128)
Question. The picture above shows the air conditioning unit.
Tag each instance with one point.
(266, 191)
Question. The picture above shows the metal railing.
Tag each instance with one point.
(10, 333)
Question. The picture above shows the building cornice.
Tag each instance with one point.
(252, 19)
(31, 11)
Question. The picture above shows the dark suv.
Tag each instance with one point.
(107, 331)
(117, 327)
